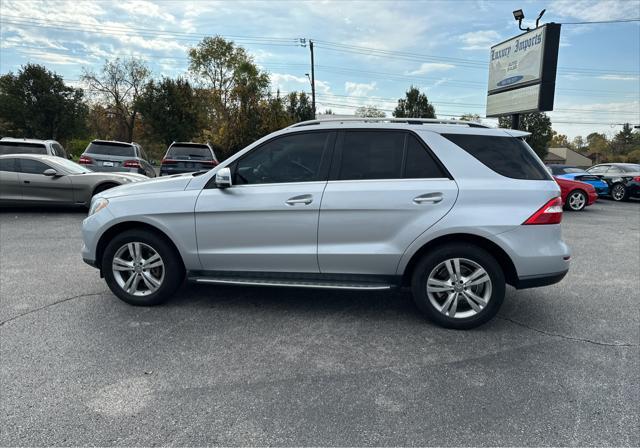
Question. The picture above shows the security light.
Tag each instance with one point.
(518, 14)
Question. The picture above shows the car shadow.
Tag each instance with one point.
(56, 209)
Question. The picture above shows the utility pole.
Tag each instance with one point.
(313, 81)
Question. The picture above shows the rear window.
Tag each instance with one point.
(110, 149)
(508, 156)
(197, 152)
(631, 168)
(22, 148)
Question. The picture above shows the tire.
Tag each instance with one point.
(576, 201)
(433, 268)
(619, 192)
(168, 276)
(103, 187)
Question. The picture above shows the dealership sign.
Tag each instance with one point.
(522, 72)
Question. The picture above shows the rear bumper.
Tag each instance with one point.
(592, 197)
(536, 281)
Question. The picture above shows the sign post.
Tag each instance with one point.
(522, 73)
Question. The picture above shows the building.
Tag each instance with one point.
(566, 156)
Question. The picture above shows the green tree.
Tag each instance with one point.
(579, 143)
(119, 85)
(625, 141)
(369, 112)
(539, 125)
(414, 105)
(299, 107)
(171, 109)
(559, 141)
(36, 103)
(598, 147)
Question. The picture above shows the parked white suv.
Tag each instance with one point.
(453, 210)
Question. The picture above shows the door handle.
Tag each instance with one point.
(26, 181)
(430, 198)
(304, 199)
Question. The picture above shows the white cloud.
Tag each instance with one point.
(618, 77)
(479, 40)
(428, 67)
(144, 8)
(589, 10)
(359, 89)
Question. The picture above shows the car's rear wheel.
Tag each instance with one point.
(142, 268)
(618, 192)
(576, 201)
(458, 286)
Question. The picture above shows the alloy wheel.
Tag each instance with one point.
(459, 288)
(138, 269)
(618, 192)
(577, 201)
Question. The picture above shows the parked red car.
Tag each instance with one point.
(576, 195)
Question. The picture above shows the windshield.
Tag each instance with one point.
(573, 170)
(631, 168)
(194, 152)
(72, 167)
(111, 149)
(22, 148)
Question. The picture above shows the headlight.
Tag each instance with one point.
(97, 205)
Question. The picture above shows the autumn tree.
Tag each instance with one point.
(470, 117)
(414, 105)
(118, 86)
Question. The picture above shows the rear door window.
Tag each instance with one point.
(371, 155)
(22, 148)
(8, 164)
(508, 156)
(111, 149)
(419, 163)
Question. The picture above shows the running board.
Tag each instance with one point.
(293, 283)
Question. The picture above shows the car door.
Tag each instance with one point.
(145, 162)
(268, 220)
(36, 187)
(10, 190)
(385, 189)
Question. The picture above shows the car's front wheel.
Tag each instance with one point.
(618, 192)
(458, 286)
(576, 201)
(142, 268)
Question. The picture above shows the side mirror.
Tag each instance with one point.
(223, 178)
(50, 172)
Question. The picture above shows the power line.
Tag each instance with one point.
(602, 21)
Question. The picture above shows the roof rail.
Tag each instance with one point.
(470, 124)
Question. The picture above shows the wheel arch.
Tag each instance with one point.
(114, 230)
(503, 259)
(99, 187)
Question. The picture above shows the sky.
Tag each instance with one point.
(367, 52)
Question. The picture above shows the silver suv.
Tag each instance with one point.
(9, 145)
(114, 156)
(453, 210)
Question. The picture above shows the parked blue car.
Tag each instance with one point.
(574, 173)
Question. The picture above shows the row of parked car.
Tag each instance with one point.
(39, 175)
(581, 188)
(39, 172)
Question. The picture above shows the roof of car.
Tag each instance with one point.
(416, 124)
(190, 144)
(45, 157)
(27, 140)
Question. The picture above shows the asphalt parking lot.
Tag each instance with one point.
(253, 366)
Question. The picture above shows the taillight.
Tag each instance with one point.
(209, 162)
(549, 213)
(131, 164)
(636, 179)
(168, 162)
(84, 160)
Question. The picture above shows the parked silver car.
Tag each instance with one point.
(9, 145)
(30, 179)
(453, 210)
(113, 156)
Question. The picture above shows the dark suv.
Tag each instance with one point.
(186, 157)
(105, 155)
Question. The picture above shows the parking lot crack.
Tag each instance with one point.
(567, 337)
(49, 305)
